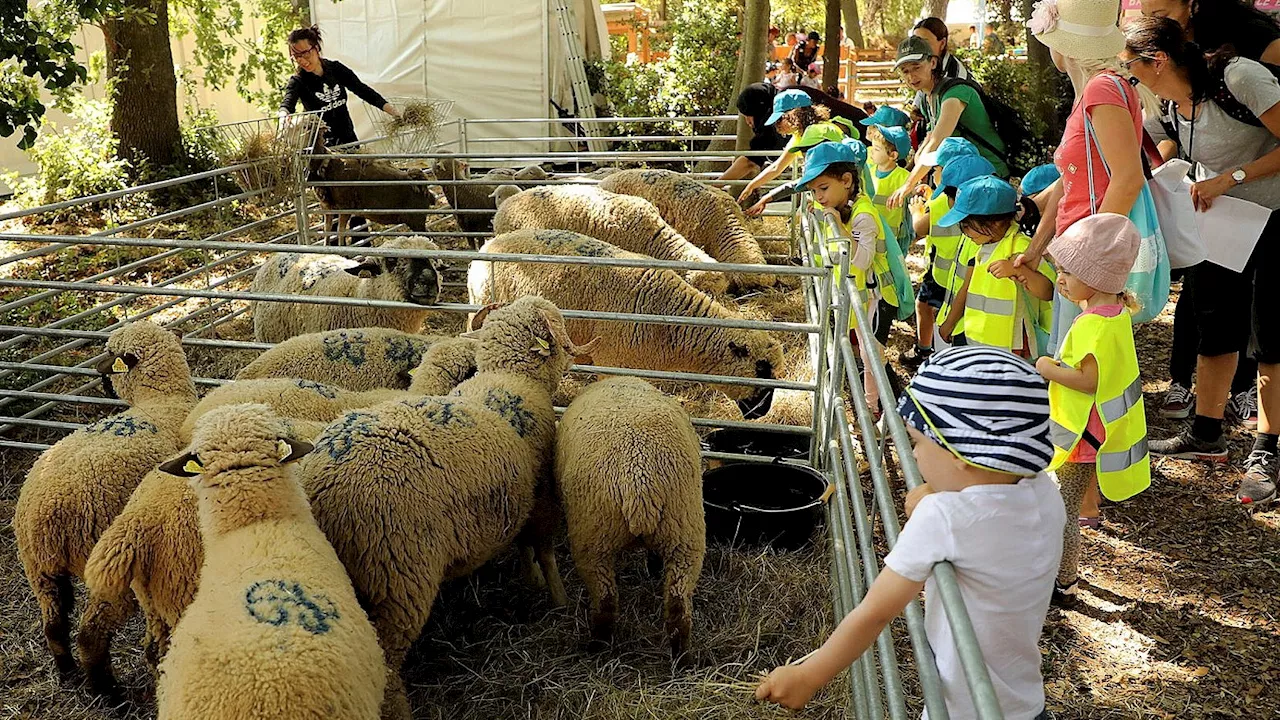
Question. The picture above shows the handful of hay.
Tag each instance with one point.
(414, 115)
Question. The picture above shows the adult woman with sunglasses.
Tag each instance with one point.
(1224, 114)
(322, 84)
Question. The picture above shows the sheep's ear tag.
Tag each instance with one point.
(291, 450)
(283, 449)
(184, 466)
(543, 348)
(119, 366)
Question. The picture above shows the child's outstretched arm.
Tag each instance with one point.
(1034, 280)
(1084, 380)
(773, 170)
(793, 685)
(919, 216)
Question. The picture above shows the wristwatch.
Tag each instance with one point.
(1238, 176)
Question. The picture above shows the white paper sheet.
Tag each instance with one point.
(1230, 229)
(1171, 193)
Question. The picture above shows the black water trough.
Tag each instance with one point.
(777, 504)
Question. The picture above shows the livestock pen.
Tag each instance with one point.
(492, 648)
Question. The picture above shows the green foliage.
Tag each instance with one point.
(1021, 85)
(225, 53)
(75, 161)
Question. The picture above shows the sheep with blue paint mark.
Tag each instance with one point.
(412, 493)
(77, 487)
(354, 359)
(400, 279)
(275, 630)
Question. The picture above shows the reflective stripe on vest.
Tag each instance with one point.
(942, 243)
(990, 312)
(1123, 461)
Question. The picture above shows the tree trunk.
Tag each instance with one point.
(852, 27)
(144, 114)
(755, 53)
(873, 17)
(935, 8)
(831, 50)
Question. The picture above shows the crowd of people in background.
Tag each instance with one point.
(1027, 406)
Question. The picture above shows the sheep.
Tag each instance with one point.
(503, 193)
(652, 346)
(354, 359)
(373, 197)
(77, 487)
(275, 630)
(705, 216)
(478, 196)
(403, 279)
(629, 222)
(413, 493)
(628, 469)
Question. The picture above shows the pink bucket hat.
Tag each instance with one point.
(1098, 249)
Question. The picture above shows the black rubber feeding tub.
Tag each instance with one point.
(777, 504)
(768, 443)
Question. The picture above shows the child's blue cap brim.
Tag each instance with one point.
(774, 118)
(953, 218)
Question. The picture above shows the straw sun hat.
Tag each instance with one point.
(1080, 29)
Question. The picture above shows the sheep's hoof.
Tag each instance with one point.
(103, 682)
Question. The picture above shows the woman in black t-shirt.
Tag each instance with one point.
(322, 84)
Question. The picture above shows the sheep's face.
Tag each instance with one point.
(450, 169)
(529, 337)
(143, 356)
(418, 278)
(236, 437)
(754, 354)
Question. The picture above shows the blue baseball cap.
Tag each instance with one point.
(822, 156)
(949, 149)
(888, 117)
(986, 195)
(963, 169)
(787, 100)
(897, 136)
(1040, 177)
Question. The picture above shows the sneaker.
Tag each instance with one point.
(1243, 408)
(1185, 446)
(1259, 484)
(1178, 402)
(915, 356)
(1064, 596)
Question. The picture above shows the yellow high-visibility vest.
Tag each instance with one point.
(863, 205)
(964, 253)
(942, 244)
(994, 305)
(1124, 465)
(884, 187)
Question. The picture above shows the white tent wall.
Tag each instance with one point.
(493, 58)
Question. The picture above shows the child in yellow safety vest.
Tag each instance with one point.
(1098, 424)
(794, 113)
(1002, 305)
(942, 245)
(887, 156)
(833, 172)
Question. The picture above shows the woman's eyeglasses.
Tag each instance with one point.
(1126, 64)
(304, 53)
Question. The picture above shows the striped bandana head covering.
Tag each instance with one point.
(985, 405)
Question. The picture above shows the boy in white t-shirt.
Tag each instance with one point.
(979, 420)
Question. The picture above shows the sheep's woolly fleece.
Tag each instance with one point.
(355, 359)
(705, 216)
(629, 468)
(653, 346)
(414, 492)
(399, 279)
(275, 630)
(629, 222)
(79, 485)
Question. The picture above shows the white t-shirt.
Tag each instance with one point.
(1005, 542)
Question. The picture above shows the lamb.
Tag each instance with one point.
(275, 630)
(355, 359)
(478, 196)
(705, 216)
(628, 222)
(414, 493)
(77, 487)
(372, 197)
(403, 279)
(652, 346)
(628, 468)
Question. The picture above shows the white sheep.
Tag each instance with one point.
(629, 222)
(628, 468)
(400, 279)
(413, 493)
(705, 216)
(275, 630)
(652, 346)
(355, 359)
(79, 485)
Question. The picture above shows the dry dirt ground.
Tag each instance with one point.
(1178, 616)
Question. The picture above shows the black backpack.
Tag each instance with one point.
(1221, 95)
(1006, 121)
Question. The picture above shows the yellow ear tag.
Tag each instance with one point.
(119, 366)
(544, 347)
(193, 467)
(283, 448)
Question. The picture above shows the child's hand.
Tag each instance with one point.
(917, 205)
(915, 495)
(1002, 269)
(1045, 362)
(789, 686)
(947, 328)
(755, 210)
